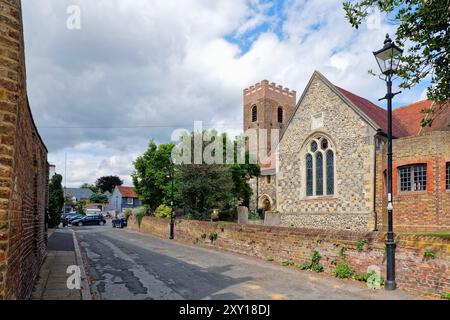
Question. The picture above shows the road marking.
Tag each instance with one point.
(85, 289)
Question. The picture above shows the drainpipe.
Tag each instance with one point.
(375, 213)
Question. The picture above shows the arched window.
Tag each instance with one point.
(280, 115)
(330, 172)
(320, 167)
(254, 113)
(319, 174)
(309, 175)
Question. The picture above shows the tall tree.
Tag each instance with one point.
(108, 183)
(424, 27)
(152, 176)
(55, 200)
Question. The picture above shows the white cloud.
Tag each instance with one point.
(167, 62)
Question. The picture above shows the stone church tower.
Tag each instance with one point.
(268, 106)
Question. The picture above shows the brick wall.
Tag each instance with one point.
(23, 166)
(414, 273)
(421, 210)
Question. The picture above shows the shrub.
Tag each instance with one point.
(318, 239)
(343, 270)
(163, 211)
(427, 255)
(342, 250)
(127, 214)
(213, 236)
(304, 266)
(222, 226)
(252, 215)
(139, 214)
(287, 263)
(360, 245)
(445, 295)
(270, 259)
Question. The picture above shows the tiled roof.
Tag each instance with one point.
(79, 193)
(377, 114)
(127, 192)
(411, 117)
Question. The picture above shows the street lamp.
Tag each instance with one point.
(172, 218)
(388, 59)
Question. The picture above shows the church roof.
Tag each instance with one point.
(375, 113)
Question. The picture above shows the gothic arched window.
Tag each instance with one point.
(254, 113)
(280, 115)
(320, 167)
(330, 172)
(309, 175)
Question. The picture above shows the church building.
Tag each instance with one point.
(329, 169)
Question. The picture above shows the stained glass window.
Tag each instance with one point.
(309, 175)
(314, 146)
(319, 174)
(330, 172)
(324, 144)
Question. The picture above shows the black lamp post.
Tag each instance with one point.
(388, 59)
(172, 217)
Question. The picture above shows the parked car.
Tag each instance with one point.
(120, 221)
(74, 217)
(89, 221)
(66, 218)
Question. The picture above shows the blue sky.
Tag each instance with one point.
(137, 70)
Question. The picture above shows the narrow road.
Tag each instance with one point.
(130, 266)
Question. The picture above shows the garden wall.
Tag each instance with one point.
(415, 272)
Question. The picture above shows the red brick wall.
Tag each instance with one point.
(425, 210)
(280, 243)
(23, 167)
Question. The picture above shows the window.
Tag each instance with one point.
(280, 115)
(130, 201)
(319, 174)
(269, 179)
(330, 172)
(309, 175)
(254, 113)
(447, 176)
(319, 168)
(413, 178)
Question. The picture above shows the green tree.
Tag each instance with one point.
(55, 200)
(424, 26)
(91, 187)
(80, 206)
(152, 176)
(98, 198)
(108, 183)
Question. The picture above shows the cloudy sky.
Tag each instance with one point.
(138, 69)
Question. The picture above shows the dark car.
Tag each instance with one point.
(119, 222)
(74, 217)
(66, 218)
(89, 221)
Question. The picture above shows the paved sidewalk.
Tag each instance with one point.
(53, 276)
